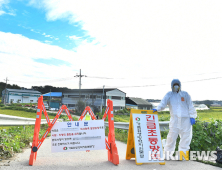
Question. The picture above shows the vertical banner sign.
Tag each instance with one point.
(147, 138)
(78, 136)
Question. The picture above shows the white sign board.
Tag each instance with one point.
(147, 138)
(78, 136)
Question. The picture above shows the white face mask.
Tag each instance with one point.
(176, 88)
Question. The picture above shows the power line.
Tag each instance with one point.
(164, 84)
(96, 77)
(68, 78)
(155, 77)
(44, 81)
(103, 77)
(203, 79)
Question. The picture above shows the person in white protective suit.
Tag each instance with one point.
(182, 117)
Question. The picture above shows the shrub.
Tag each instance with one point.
(206, 136)
(19, 108)
(126, 111)
(15, 138)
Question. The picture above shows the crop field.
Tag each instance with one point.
(214, 113)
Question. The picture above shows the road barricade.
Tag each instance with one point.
(37, 142)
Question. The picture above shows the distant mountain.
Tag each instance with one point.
(46, 89)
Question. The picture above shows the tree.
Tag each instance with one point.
(95, 109)
(80, 107)
(9, 86)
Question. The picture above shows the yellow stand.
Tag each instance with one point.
(130, 150)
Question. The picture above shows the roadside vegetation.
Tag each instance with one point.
(14, 138)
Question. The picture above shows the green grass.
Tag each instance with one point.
(121, 118)
(32, 115)
(124, 118)
(207, 115)
(22, 114)
(203, 115)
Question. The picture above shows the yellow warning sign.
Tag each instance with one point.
(144, 138)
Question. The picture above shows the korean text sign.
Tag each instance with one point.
(78, 136)
(147, 138)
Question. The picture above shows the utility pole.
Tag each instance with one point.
(50, 99)
(80, 75)
(5, 89)
(102, 100)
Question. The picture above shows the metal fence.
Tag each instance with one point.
(125, 125)
(6, 120)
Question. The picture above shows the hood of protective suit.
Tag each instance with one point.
(175, 81)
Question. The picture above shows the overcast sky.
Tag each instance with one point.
(135, 46)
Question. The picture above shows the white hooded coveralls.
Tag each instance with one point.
(181, 110)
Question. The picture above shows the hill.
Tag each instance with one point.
(42, 89)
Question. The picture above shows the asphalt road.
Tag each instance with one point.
(93, 160)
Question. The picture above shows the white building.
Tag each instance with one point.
(94, 97)
(201, 107)
(20, 96)
(155, 104)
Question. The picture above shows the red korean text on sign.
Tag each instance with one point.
(151, 127)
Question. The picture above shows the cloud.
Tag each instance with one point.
(74, 37)
(15, 48)
(5, 8)
(162, 30)
(159, 39)
(48, 42)
(2, 4)
(2, 12)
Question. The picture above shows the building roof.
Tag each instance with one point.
(23, 91)
(90, 90)
(137, 101)
(53, 94)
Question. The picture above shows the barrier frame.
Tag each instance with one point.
(110, 144)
